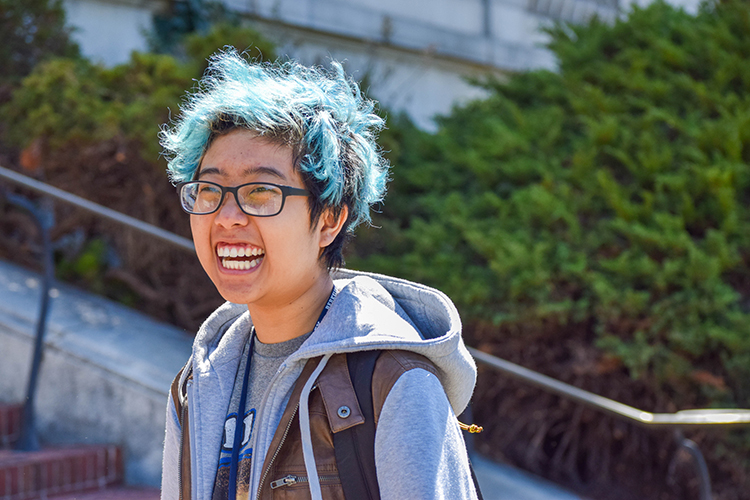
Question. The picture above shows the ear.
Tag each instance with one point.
(329, 226)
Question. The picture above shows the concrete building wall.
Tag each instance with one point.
(108, 31)
(501, 34)
(420, 83)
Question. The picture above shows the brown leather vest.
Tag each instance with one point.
(284, 474)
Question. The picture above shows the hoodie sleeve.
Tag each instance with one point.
(170, 486)
(419, 450)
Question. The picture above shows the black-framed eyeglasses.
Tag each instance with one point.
(259, 199)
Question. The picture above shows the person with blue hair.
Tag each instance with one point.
(277, 163)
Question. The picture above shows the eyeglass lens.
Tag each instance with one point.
(254, 199)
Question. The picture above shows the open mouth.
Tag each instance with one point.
(239, 257)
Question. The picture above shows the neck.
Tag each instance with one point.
(290, 319)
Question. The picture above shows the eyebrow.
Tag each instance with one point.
(248, 171)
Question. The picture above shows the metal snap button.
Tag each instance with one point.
(344, 412)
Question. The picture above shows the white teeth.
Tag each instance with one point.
(238, 251)
(240, 264)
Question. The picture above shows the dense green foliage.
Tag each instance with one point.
(180, 18)
(31, 31)
(92, 130)
(611, 194)
(67, 101)
(194, 29)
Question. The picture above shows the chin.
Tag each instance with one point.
(235, 297)
(233, 294)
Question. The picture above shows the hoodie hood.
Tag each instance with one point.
(370, 311)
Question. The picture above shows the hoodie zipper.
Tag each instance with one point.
(292, 479)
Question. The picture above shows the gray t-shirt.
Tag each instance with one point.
(266, 360)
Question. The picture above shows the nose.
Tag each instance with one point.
(230, 214)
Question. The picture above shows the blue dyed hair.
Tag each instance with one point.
(321, 115)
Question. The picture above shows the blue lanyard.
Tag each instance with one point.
(235, 463)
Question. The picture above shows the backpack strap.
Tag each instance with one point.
(389, 368)
(355, 447)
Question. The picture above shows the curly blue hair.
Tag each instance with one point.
(322, 115)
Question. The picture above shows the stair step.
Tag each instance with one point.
(10, 424)
(113, 494)
(40, 474)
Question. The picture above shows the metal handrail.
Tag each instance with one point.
(684, 418)
(679, 420)
(95, 208)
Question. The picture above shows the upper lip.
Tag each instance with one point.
(236, 243)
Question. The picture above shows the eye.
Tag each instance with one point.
(259, 193)
(262, 189)
(208, 189)
(208, 192)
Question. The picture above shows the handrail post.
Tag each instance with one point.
(28, 440)
(699, 463)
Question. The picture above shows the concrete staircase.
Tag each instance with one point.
(60, 473)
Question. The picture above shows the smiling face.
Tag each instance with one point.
(264, 262)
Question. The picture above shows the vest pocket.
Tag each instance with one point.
(294, 485)
(292, 479)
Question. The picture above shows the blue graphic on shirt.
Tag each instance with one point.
(230, 427)
(225, 456)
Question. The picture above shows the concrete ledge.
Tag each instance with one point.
(499, 481)
(464, 38)
(105, 374)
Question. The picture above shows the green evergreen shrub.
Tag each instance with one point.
(31, 31)
(612, 193)
(73, 102)
(92, 131)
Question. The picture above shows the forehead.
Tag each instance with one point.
(243, 155)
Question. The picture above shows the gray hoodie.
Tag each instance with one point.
(419, 449)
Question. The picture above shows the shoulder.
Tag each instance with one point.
(337, 389)
(389, 368)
